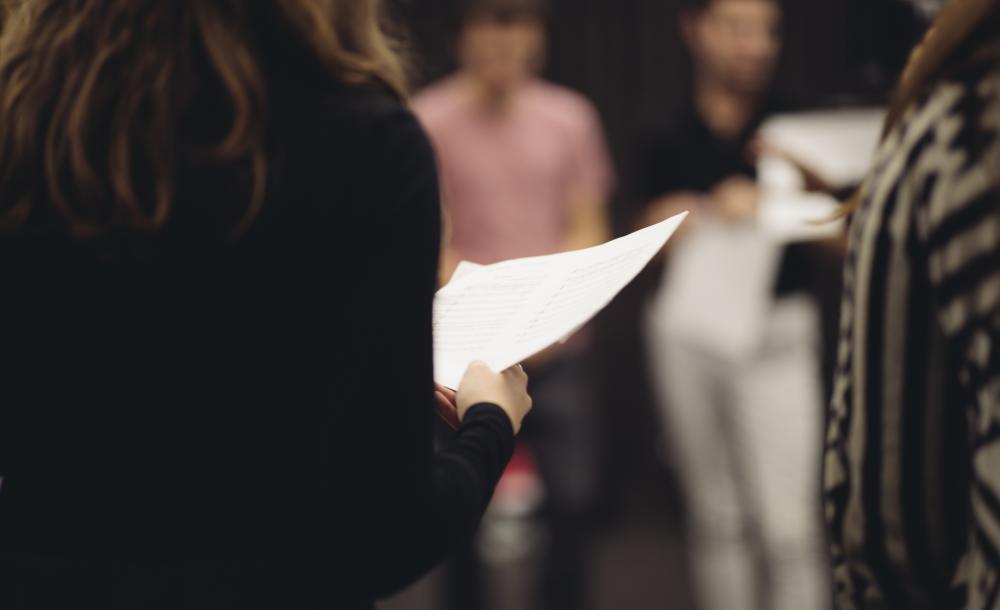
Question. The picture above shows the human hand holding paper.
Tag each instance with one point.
(504, 313)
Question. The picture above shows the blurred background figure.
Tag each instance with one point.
(737, 371)
(639, 62)
(525, 172)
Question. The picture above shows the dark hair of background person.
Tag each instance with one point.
(100, 112)
(502, 11)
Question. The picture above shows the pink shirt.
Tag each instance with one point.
(508, 180)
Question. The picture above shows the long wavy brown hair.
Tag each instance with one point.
(94, 95)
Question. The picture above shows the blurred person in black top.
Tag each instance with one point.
(703, 157)
(220, 238)
(741, 412)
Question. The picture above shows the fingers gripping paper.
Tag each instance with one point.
(507, 312)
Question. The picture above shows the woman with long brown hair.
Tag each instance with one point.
(912, 471)
(219, 232)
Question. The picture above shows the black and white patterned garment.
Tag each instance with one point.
(912, 468)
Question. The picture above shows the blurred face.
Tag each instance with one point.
(736, 42)
(502, 55)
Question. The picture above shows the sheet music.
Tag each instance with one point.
(507, 312)
(463, 268)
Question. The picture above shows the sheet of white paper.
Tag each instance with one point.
(837, 144)
(507, 312)
(464, 268)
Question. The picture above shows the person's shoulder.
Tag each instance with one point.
(957, 117)
(968, 97)
(969, 100)
(353, 133)
(438, 101)
(353, 115)
(362, 104)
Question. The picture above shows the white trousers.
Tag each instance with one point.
(746, 437)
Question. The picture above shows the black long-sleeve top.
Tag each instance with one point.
(208, 424)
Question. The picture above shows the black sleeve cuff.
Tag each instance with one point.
(488, 416)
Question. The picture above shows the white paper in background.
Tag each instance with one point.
(717, 290)
(839, 145)
(507, 312)
(789, 216)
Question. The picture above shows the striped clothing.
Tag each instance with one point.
(912, 466)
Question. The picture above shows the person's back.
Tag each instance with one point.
(141, 393)
(196, 412)
(912, 460)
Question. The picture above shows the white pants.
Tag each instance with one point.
(747, 439)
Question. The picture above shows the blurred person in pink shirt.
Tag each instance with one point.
(525, 172)
(524, 164)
